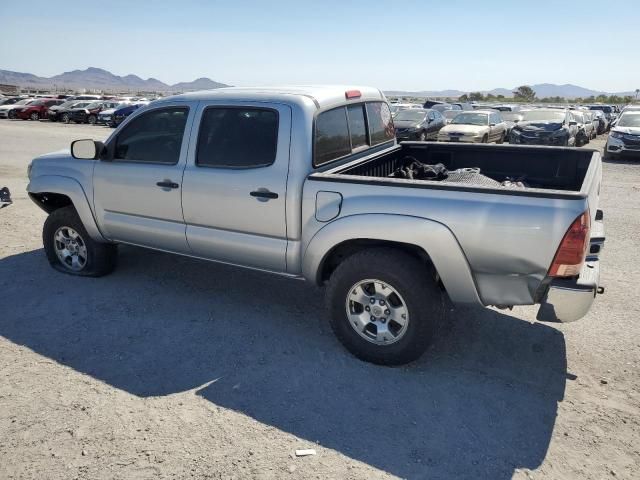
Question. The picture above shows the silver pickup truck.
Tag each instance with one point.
(309, 182)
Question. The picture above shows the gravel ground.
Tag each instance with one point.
(177, 368)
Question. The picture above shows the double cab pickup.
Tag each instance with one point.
(310, 183)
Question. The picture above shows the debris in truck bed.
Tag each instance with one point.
(415, 170)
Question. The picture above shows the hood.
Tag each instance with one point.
(406, 124)
(537, 125)
(466, 129)
(627, 130)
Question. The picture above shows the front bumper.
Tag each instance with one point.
(569, 299)
(4, 113)
(549, 140)
(460, 139)
(617, 147)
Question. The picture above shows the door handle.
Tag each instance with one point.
(167, 184)
(263, 193)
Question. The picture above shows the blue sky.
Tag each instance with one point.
(409, 45)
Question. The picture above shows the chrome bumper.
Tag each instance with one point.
(569, 299)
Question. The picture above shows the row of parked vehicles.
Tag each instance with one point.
(516, 124)
(91, 109)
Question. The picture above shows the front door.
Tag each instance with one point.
(235, 184)
(138, 183)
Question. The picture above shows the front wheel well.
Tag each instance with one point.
(345, 249)
(50, 202)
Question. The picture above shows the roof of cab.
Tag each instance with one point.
(322, 95)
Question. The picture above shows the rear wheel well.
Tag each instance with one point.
(51, 202)
(345, 249)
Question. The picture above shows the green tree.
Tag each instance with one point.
(476, 96)
(463, 98)
(524, 93)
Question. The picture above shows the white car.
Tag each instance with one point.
(5, 109)
(478, 126)
(624, 138)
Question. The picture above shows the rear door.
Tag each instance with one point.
(234, 185)
(138, 184)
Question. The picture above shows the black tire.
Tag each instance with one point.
(12, 115)
(92, 119)
(101, 257)
(35, 116)
(485, 139)
(406, 275)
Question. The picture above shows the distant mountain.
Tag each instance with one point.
(198, 84)
(542, 90)
(100, 79)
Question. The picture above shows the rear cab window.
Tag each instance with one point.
(352, 128)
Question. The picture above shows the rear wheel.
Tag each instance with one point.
(485, 139)
(70, 249)
(384, 306)
(34, 116)
(92, 119)
(12, 115)
(501, 139)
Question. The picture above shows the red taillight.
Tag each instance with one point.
(573, 248)
(352, 94)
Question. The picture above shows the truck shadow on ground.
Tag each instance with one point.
(479, 404)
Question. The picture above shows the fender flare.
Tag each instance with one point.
(433, 237)
(71, 188)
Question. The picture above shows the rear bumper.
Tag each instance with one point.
(569, 299)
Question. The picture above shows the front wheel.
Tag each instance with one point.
(65, 118)
(384, 306)
(70, 249)
(92, 119)
(34, 116)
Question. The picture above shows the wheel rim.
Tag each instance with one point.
(70, 248)
(65, 118)
(92, 120)
(377, 312)
(34, 116)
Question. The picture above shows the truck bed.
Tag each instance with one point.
(543, 170)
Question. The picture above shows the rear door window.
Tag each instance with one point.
(244, 137)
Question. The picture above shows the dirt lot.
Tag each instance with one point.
(176, 368)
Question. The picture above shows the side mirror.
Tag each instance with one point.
(86, 149)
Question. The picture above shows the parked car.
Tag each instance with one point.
(105, 117)
(443, 107)
(120, 114)
(589, 124)
(86, 97)
(52, 113)
(603, 122)
(398, 107)
(584, 128)
(37, 109)
(463, 105)
(10, 100)
(449, 115)
(64, 114)
(89, 113)
(387, 248)
(6, 111)
(545, 126)
(430, 103)
(510, 118)
(606, 109)
(478, 126)
(421, 125)
(624, 139)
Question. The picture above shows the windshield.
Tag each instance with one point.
(94, 105)
(543, 116)
(81, 104)
(629, 120)
(449, 114)
(410, 116)
(68, 104)
(511, 116)
(471, 119)
(443, 107)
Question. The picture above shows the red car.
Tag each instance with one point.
(36, 110)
